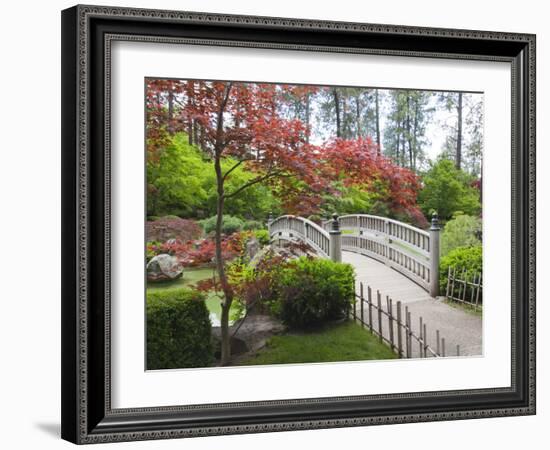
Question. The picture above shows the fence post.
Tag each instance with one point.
(335, 236)
(369, 302)
(389, 302)
(434, 255)
(379, 304)
(399, 331)
(362, 300)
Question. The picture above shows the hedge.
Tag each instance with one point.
(178, 330)
(230, 224)
(314, 290)
(468, 258)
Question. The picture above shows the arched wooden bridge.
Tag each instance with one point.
(411, 253)
(391, 257)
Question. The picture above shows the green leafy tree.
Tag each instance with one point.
(253, 203)
(181, 182)
(461, 231)
(176, 181)
(448, 190)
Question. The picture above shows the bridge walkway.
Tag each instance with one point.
(454, 324)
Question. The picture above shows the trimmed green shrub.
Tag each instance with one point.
(230, 224)
(178, 330)
(251, 225)
(316, 218)
(468, 258)
(314, 290)
(262, 236)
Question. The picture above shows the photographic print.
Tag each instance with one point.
(311, 224)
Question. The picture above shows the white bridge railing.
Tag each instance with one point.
(407, 249)
(291, 227)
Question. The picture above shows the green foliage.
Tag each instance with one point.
(230, 224)
(178, 330)
(254, 202)
(176, 179)
(251, 225)
(262, 236)
(461, 231)
(182, 181)
(448, 190)
(314, 290)
(350, 199)
(468, 258)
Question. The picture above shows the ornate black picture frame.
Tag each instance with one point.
(87, 34)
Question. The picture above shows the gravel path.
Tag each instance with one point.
(457, 326)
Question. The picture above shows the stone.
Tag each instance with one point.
(252, 247)
(283, 249)
(164, 268)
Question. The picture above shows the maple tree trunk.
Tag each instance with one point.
(226, 288)
(227, 293)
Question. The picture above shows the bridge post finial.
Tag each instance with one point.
(335, 236)
(335, 224)
(435, 221)
(434, 255)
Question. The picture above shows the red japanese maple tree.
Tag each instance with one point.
(358, 162)
(242, 121)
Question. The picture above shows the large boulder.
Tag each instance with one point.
(164, 268)
(286, 250)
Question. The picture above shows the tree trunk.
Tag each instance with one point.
(227, 291)
(308, 115)
(220, 268)
(458, 157)
(190, 124)
(170, 112)
(398, 159)
(357, 117)
(345, 122)
(409, 135)
(195, 132)
(415, 131)
(377, 121)
(337, 109)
